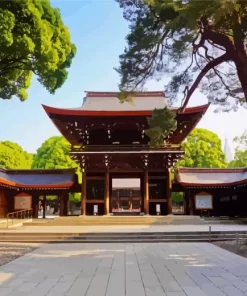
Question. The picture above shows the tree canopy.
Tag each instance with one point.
(240, 156)
(203, 149)
(34, 40)
(197, 43)
(12, 156)
(54, 154)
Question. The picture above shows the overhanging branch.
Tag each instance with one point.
(213, 63)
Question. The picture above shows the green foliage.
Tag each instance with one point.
(203, 149)
(12, 156)
(54, 154)
(240, 156)
(161, 124)
(35, 40)
(125, 97)
(75, 197)
(196, 43)
(177, 196)
(51, 197)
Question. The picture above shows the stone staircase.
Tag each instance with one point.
(117, 220)
(120, 237)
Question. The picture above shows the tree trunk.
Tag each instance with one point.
(240, 54)
(241, 66)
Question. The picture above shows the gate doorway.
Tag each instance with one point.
(126, 195)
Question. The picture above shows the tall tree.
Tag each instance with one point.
(240, 156)
(197, 43)
(12, 156)
(35, 40)
(54, 154)
(203, 149)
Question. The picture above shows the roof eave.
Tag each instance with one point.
(79, 112)
(185, 184)
(35, 186)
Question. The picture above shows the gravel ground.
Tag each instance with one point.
(12, 251)
(232, 246)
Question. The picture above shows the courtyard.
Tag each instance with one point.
(172, 269)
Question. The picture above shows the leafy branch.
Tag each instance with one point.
(161, 124)
(190, 41)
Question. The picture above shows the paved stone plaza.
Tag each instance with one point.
(174, 269)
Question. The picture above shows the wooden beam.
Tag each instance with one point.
(159, 200)
(94, 201)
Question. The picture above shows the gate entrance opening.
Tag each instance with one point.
(126, 195)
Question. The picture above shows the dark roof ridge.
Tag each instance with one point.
(40, 171)
(114, 94)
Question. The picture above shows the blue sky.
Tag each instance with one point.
(98, 30)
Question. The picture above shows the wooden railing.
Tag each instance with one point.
(19, 215)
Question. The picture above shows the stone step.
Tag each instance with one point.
(213, 232)
(119, 237)
(162, 240)
(121, 218)
(112, 222)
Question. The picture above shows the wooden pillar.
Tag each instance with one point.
(146, 192)
(44, 206)
(35, 206)
(169, 192)
(187, 203)
(66, 200)
(83, 192)
(107, 191)
(61, 208)
(3, 203)
(184, 203)
(191, 203)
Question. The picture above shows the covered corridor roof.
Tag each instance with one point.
(38, 179)
(195, 177)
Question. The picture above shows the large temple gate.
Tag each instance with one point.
(108, 140)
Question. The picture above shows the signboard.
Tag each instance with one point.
(203, 201)
(95, 210)
(158, 208)
(23, 201)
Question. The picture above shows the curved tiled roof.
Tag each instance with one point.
(194, 177)
(45, 179)
(100, 106)
(108, 104)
